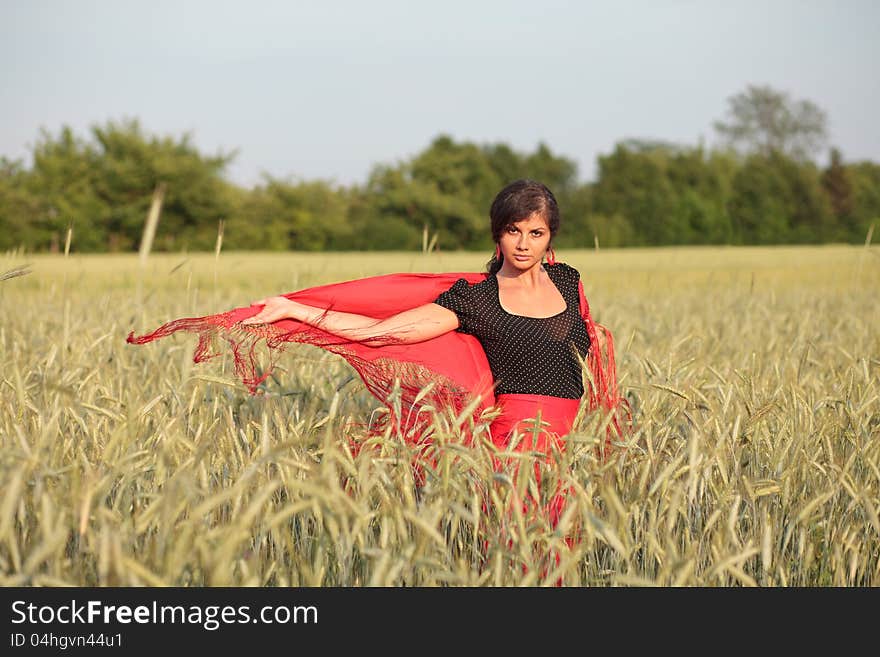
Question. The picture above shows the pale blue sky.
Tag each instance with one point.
(327, 89)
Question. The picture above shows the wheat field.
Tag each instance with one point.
(754, 375)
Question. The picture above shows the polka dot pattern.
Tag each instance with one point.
(527, 355)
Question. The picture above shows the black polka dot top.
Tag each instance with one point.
(528, 355)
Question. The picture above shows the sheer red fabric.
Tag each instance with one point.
(449, 371)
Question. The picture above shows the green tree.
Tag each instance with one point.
(558, 173)
(62, 179)
(449, 188)
(393, 210)
(505, 162)
(837, 185)
(702, 185)
(459, 170)
(866, 197)
(764, 120)
(281, 215)
(648, 192)
(103, 186)
(17, 207)
(128, 165)
(634, 185)
(777, 200)
(580, 228)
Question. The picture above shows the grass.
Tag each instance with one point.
(754, 374)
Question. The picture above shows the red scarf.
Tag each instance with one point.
(454, 362)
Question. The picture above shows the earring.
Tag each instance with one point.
(551, 256)
(497, 251)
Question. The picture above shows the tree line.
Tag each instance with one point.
(761, 187)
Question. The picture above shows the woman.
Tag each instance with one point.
(513, 337)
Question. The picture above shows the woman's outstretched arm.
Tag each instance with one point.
(414, 325)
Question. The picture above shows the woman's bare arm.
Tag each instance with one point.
(414, 325)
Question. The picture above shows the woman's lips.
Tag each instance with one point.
(521, 257)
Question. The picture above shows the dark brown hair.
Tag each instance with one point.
(517, 201)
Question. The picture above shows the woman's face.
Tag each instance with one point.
(524, 243)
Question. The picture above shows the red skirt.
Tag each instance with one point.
(538, 423)
(522, 412)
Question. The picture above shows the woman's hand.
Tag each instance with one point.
(275, 308)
